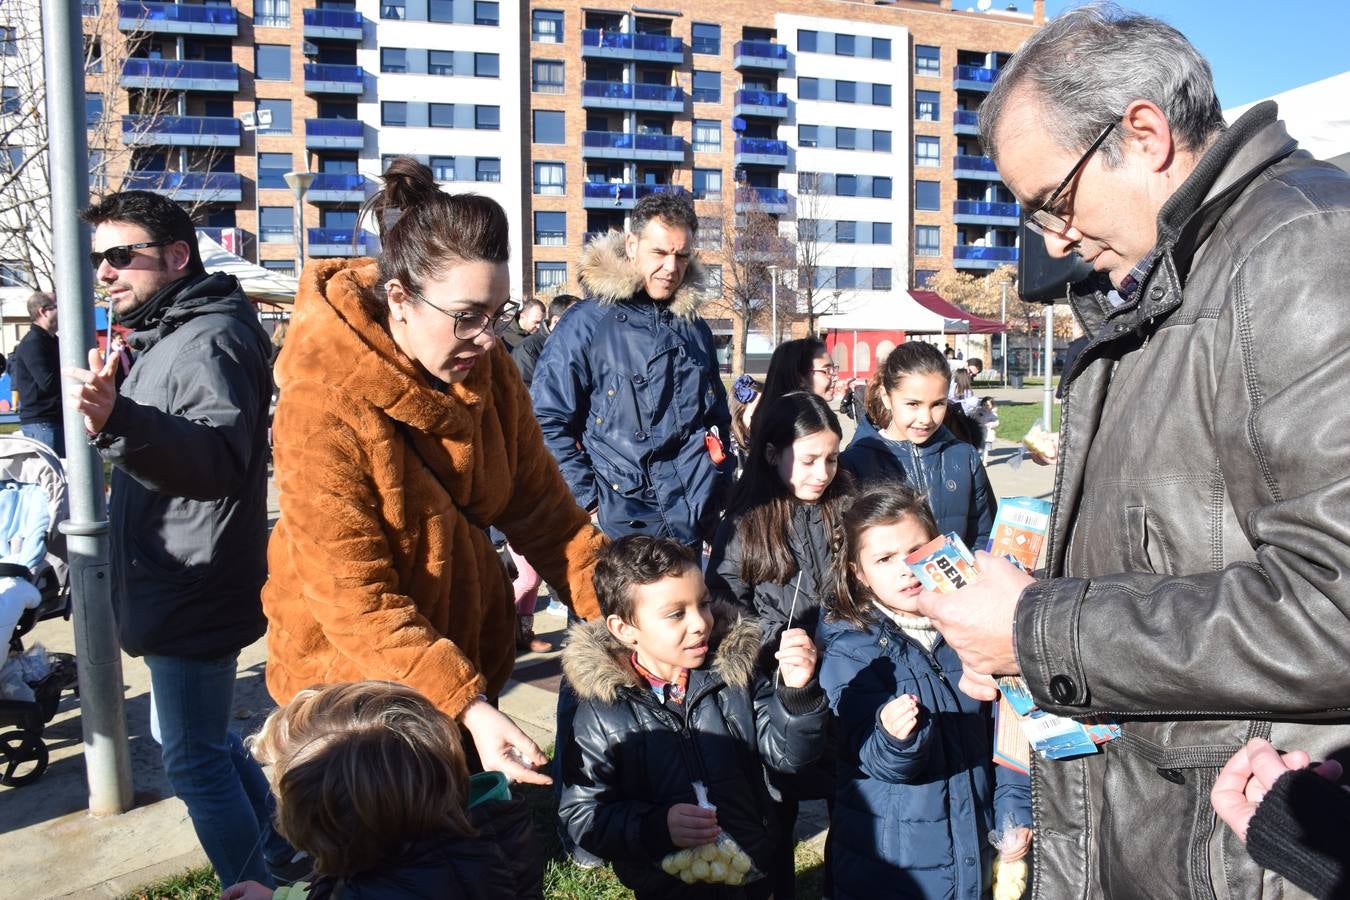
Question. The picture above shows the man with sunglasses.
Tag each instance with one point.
(186, 434)
(35, 370)
(1195, 586)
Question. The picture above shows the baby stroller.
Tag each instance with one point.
(33, 587)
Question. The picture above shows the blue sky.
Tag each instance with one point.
(1255, 48)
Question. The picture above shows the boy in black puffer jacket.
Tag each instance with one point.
(669, 696)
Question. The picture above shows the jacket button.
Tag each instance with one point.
(1176, 776)
(599, 421)
(649, 493)
(1157, 292)
(640, 436)
(622, 317)
(610, 392)
(615, 486)
(970, 860)
(1062, 688)
(639, 379)
(883, 642)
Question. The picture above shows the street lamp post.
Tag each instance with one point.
(773, 301)
(299, 183)
(1003, 338)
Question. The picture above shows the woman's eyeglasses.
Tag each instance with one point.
(469, 325)
(120, 257)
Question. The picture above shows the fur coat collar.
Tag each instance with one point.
(607, 274)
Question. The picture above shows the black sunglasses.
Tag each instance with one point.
(120, 257)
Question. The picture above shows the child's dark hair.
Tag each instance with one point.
(423, 230)
(761, 499)
(360, 770)
(789, 370)
(162, 219)
(881, 503)
(910, 358)
(634, 561)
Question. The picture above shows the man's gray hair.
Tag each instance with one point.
(1090, 63)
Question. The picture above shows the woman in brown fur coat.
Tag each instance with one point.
(403, 431)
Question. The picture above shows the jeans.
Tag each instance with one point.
(48, 432)
(227, 795)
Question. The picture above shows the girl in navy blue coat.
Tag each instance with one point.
(903, 437)
(918, 792)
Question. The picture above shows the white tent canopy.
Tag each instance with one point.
(1316, 115)
(258, 283)
(896, 311)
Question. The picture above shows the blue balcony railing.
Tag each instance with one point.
(761, 50)
(762, 147)
(601, 190)
(966, 117)
(627, 40)
(762, 196)
(618, 90)
(333, 72)
(154, 13)
(337, 181)
(775, 99)
(982, 208)
(184, 182)
(975, 163)
(991, 254)
(334, 18)
(338, 128)
(622, 140)
(331, 240)
(169, 70)
(975, 73)
(223, 126)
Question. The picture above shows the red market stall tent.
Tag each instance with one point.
(861, 338)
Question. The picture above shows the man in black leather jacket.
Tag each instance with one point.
(1195, 587)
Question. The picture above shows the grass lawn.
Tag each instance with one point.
(1016, 419)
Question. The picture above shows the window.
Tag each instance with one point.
(276, 225)
(487, 169)
(881, 95)
(927, 106)
(926, 238)
(846, 185)
(707, 184)
(272, 62)
(13, 273)
(440, 11)
(922, 276)
(845, 232)
(98, 168)
(808, 229)
(272, 14)
(707, 87)
(881, 142)
(486, 65)
(927, 151)
(93, 52)
(709, 233)
(393, 9)
(9, 44)
(441, 115)
(393, 112)
(706, 39)
(707, 136)
(927, 61)
(550, 229)
(881, 187)
(881, 232)
(810, 183)
(443, 168)
(881, 279)
(549, 127)
(843, 44)
(338, 165)
(808, 88)
(806, 41)
(280, 266)
(272, 168)
(549, 275)
(485, 12)
(546, 26)
(881, 48)
(487, 118)
(393, 59)
(846, 138)
(341, 219)
(11, 158)
(845, 277)
(927, 195)
(93, 106)
(440, 62)
(550, 178)
(712, 279)
(806, 135)
(9, 101)
(846, 91)
(281, 115)
(547, 76)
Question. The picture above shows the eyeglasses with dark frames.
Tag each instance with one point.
(469, 325)
(120, 257)
(830, 370)
(1042, 219)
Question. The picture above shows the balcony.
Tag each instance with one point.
(761, 199)
(334, 134)
(335, 242)
(631, 46)
(180, 131)
(334, 25)
(760, 55)
(978, 212)
(980, 168)
(761, 152)
(624, 95)
(190, 187)
(329, 187)
(621, 195)
(623, 145)
(180, 75)
(773, 104)
(177, 18)
(970, 256)
(965, 121)
(329, 78)
(974, 78)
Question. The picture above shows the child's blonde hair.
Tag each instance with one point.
(359, 769)
(880, 503)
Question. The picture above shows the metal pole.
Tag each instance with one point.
(1049, 398)
(1003, 338)
(773, 291)
(106, 755)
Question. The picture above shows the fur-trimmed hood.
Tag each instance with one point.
(598, 666)
(607, 274)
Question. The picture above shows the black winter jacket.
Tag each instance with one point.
(526, 353)
(35, 372)
(632, 757)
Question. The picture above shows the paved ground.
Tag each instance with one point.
(50, 847)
